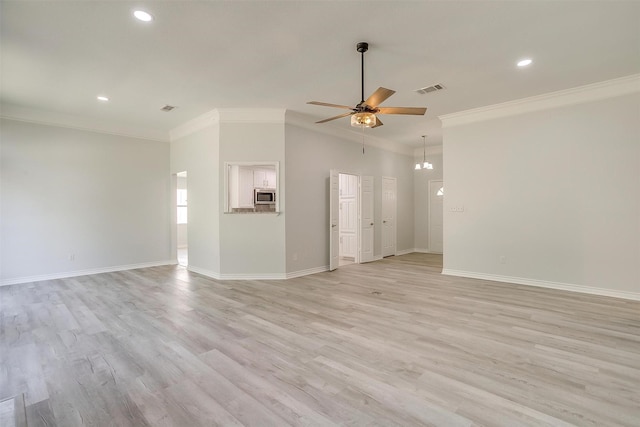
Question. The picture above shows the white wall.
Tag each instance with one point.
(555, 191)
(101, 199)
(198, 154)
(421, 201)
(309, 157)
(252, 245)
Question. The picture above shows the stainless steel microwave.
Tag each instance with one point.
(264, 197)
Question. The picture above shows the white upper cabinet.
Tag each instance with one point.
(264, 178)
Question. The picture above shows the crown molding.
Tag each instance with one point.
(308, 122)
(251, 115)
(48, 118)
(578, 95)
(194, 125)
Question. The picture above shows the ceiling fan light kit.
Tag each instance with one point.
(363, 119)
(364, 113)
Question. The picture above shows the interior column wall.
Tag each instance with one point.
(253, 244)
(198, 154)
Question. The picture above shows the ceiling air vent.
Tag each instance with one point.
(429, 89)
(167, 108)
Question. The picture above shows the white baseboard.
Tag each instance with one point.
(234, 276)
(307, 272)
(545, 284)
(259, 276)
(418, 250)
(405, 251)
(204, 272)
(67, 274)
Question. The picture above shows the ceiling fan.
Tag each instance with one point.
(364, 114)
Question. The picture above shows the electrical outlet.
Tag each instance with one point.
(502, 259)
(72, 257)
(295, 256)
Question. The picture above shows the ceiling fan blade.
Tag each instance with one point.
(324, 104)
(378, 123)
(416, 111)
(379, 96)
(335, 117)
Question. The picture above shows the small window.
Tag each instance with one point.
(182, 206)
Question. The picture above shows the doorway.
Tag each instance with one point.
(351, 224)
(436, 203)
(182, 219)
(389, 194)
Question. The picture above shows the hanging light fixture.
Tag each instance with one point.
(425, 164)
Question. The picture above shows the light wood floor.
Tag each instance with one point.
(387, 343)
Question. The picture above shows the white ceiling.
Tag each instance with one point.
(58, 55)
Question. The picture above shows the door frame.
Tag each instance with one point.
(429, 214)
(358, 257)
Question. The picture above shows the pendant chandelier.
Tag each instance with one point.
(424, 164)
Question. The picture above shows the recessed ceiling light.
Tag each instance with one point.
(102, 98)
(524, 62)
(143, 16)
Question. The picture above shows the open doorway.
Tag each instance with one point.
(182, 219)
(356, 224)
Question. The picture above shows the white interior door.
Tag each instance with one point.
(389, 191)
(334, 217)
(348, 213)
(366, 219)
(436, 201)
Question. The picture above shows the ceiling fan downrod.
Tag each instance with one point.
(362, 47)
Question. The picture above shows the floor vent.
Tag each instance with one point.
(430, 89)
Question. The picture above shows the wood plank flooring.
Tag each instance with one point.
(390, 343)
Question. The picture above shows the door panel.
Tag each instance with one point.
(366, 219)
(388, 216)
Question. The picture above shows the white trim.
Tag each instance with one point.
(307, 122)
(426, 251)
(405, 251)
(417, 250)
(194, 125)
(578, 95)
(255, 276)
(204, 272)
(251, 115)
(65, 275)
(46, 118)
(258, 276)
(307, 272)
(545, 284)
